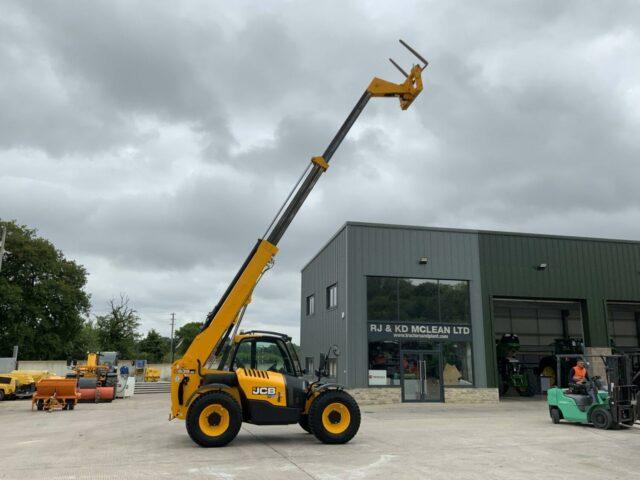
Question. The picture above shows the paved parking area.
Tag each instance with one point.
(132, 439)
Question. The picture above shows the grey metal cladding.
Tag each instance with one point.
(359, 250)
(388, 250)
(325, 327)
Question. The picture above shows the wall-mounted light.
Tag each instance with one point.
(542, 266)
(423, 260)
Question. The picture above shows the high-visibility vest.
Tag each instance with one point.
(579, 373)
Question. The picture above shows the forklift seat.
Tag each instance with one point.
(582, 401)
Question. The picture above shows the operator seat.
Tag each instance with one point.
(583, 400)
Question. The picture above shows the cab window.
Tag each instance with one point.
(270, 355)
(263, 354)
(243, 356)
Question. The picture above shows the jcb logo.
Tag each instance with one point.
(268, 391)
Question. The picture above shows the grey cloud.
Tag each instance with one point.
(155, 143)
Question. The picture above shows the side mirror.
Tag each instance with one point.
(335, 350)
(305, 371)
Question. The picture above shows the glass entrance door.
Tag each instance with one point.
(421, 376)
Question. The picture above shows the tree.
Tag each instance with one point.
(118, 330)
(87, 341)
(43, 304)
(154, 347)
(185, 335)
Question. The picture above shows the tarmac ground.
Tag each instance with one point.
(132, 439)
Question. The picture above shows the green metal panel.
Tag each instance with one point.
(590, 271)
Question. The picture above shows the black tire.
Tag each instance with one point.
(304, 423)
(40, 404)
(325, 414)
(223, 405)
(1, 395)
(555, 415)
(601, 418)
(70, 405)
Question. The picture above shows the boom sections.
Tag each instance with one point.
(230, 307)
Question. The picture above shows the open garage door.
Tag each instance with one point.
(624, 333)
(543, 328)
(624, 325)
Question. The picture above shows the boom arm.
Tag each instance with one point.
(228, 312)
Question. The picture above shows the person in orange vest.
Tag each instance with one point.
(579, 374)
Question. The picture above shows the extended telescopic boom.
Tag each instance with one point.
(230, 307)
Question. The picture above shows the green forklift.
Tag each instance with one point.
(606, 403)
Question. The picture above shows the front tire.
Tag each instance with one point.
(334, 417)
(214, 419)
(601, 418)
(555, 415)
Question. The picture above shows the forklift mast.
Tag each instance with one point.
(223, 321)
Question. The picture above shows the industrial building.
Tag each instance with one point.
(405, 303)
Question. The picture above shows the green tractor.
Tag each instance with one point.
(513, 374)
(606, 403)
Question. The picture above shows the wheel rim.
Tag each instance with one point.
(336, 418)
(214, 420)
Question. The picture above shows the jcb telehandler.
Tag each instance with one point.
(227, 377)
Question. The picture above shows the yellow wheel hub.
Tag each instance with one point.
(336, 418)
(214, 420)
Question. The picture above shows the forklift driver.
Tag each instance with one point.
(578, 379)
(579, 374)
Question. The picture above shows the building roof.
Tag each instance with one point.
(463, 230)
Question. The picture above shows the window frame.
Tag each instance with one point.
(468, 322)
(310, 305)
(334, 287)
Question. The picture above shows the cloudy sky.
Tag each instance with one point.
(153, 141)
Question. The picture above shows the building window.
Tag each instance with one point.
(454, 301)
(311, 305)
(384, 363)
(332, 367)
(417, 300)
(308, 365)
(332, 296)
(382, 298)
(457, 366)
(417, 307)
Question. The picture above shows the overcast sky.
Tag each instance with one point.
(153, 141)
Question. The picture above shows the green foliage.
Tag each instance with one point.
(87, 341)
(42, 297)
(185, 335)
(118, 330)
(154, 347)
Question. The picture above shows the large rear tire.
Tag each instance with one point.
(304, 423)
(1, 395)
(601, 418)
(334, 417)
(214, 419)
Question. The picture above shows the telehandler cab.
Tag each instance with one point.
(227, 377)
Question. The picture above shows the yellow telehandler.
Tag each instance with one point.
(227, 377)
